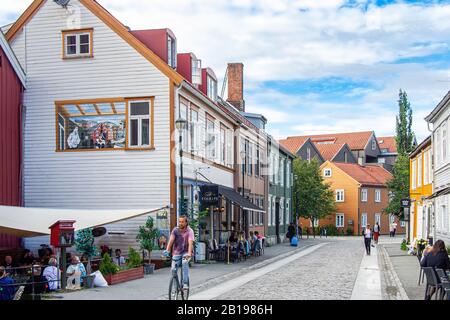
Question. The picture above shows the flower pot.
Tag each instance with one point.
(149, 268)
(88, 281)
(125, 275)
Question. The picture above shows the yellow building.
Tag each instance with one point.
(420, 188)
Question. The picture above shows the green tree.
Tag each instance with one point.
(147, 236)
(398, 186)
(84, 244)
(406, 143)
(313, 198)
(405, 137)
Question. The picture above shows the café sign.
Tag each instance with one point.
(209, 196)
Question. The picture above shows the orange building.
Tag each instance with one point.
(361, 195)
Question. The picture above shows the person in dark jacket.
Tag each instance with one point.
(437, 258)
(290, 232)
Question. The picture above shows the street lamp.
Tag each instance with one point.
(244, 164)
(181, 126)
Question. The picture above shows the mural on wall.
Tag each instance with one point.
(96, 132)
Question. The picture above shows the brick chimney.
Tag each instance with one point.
(236, 85)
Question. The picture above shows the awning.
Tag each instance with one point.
(32, 222)
(439, 193)
(236, 198)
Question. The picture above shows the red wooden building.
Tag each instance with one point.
(12, 84)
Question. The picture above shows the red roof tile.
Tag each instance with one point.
(388, 143)
(355, 140)
(293, 144)
(328, 151)
(366, 175)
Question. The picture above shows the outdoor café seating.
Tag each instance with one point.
(433, 282)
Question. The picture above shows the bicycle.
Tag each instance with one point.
(176, 291)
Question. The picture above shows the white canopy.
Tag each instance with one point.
(31, 222)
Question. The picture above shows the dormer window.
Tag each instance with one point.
(374, 144)
(78, 43)
(212, 88)
(196, 71)
(171, 52)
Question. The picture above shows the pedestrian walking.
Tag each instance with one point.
(367, 233)
(376, 232)
(395, 228)
(391, 230)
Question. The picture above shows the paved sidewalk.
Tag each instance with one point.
(406, 277)
(368, 284)
(202, 276)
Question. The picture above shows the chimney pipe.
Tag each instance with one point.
(236, 85)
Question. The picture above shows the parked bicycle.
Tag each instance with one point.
(176, 291)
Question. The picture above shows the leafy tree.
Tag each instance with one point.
(147, 236)
(398, 186)
(84, 243)
(406, 140)
(313, 198)
(406, 143)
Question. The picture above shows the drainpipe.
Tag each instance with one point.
(433, 212)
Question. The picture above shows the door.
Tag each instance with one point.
(419, 230)
(277, 221)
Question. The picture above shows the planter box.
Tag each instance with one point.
(126, 275)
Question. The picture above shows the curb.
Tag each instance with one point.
(240, 272)
(392, 274)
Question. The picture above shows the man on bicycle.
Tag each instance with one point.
(181, 245)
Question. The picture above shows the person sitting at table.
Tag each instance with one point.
(76, 266)
(10, 266)
(7, 290)
(33, 292)
(119, 259)
(27, 259)
(438, 259)
(53, 275)
(232, 238)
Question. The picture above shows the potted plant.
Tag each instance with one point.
(421, 244)
(113, 274)
(147, 235)
(84, 243)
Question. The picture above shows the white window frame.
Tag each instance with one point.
(211, 140)
(444, 142)
(414, 175)
(194, 131)
(282, 175)
(281, 211)
(378, 218)
(171, 52)
(211, 87)
(340, 195)
(308, 154)
(364, 217)
(426, 172)
(223, 145)
(340, 220)
(196, 71)
(419, 170)
(140, 118)
(364, 195)
(377, 195)
(374, 144)
(78, 44)
(437, 157)
(229, 147)
(327, 172)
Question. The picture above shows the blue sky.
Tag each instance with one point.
(310, 66)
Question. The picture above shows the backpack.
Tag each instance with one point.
(294, 241)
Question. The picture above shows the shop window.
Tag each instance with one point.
(101, 124)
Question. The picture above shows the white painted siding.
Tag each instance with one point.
(116, 179)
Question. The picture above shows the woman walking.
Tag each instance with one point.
(367, 233)
(376, 232)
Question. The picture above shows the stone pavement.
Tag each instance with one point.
(402, 281)
(202, 276)
(368, 283)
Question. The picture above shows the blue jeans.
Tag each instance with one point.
(176, 260)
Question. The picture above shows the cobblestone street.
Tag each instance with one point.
(327, 273)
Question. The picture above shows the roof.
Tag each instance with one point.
(441, 105)
(31, 222)
(425, 143)
(355, 140)
(293, 145)
(12, 59)
(366, 175)
(110, 21)
(329, 151)
(388, 143)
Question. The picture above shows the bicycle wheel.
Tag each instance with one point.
(174, 289)
(186, 292)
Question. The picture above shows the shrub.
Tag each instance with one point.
(331, 230)
(107, 266)
(134, 259)
(349, 231)
(147, 236)
(404, 246)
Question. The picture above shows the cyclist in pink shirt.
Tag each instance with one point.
(181, 244)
